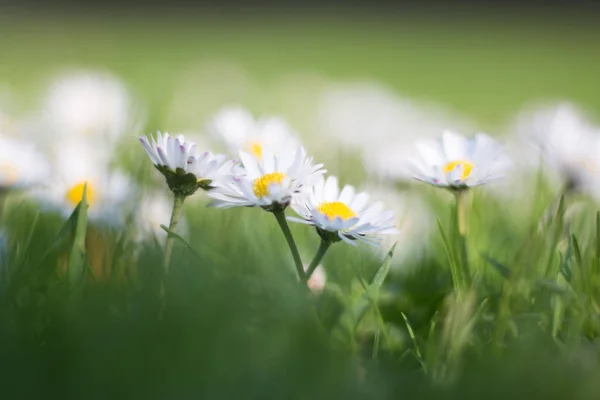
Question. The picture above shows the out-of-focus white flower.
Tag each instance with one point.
(318, 279)
(240, 131)
(21, 165)
(381, 126)
(155, 210)
(458, 162)
(92, 105)
(414, 220)
(569, 142)
(343, 215)
(184, 170)
(269, 182)
(75, 166)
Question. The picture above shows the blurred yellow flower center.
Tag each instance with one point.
(256, 149)
(9, 172)
(75, 194)
(336, 209)
(466, 165)
(261, 185)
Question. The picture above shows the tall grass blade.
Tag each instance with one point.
(77, 257)
(499, 267)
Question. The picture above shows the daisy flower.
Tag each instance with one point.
(457, 162)
(269, 182)
(93, 105)
(342, 215)
(75, 167)
(240, 131)
(568, 141)
(20, 164)
(184, 170)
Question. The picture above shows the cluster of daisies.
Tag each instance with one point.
(84, 120)
(272, 175)
(71, 140)
(274, 172)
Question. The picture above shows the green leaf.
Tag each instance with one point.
(61, 243)
(558, 225)
(413, 338)
(206, 251)
(23, 255)
(499, 267)
(576, 251)
(77, 257)
(449, 254)
(354, 313)
(382, 272)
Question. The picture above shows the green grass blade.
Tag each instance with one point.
(383, 271)
(558, 225)
(77, 257)
(499, 267)
(212, 255)
(456, 279)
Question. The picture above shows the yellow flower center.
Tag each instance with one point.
(466, 165)
(336, 209)
(10, 172)
(261, 185)
(75, 194)
(256, 149)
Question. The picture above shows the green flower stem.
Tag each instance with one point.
(323, 247)
(463, 273)
(3, 196)
(177, 206)
(280, 217)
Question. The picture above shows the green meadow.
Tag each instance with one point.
(86, 311)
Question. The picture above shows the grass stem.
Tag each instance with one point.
(280, 217)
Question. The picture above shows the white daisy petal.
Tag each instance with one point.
(457, 162)
(276, 183)
(172, 153)
(350, 220)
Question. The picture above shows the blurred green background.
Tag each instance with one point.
(486, 65)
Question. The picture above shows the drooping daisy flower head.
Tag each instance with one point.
(457, 162)
(184, 170)
(240, 131)
(21, 165)
(269, 182)
(343, 215)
